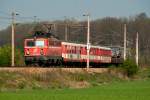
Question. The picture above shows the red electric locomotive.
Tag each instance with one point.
(42, 50)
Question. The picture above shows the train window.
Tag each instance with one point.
(39, 43)
(68, 49)
(30, 43)
(75, 49)
(55, 43)
(81, 49)
(50, 43)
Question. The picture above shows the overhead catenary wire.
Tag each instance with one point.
(4, 13)
(4, 22)
(4, 18)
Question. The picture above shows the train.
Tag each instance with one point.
(43, 49)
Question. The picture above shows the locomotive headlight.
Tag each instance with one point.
(27, 52)
(41, 52)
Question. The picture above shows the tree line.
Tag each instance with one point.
(106, 31)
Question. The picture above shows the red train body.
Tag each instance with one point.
(52, 51)
(72, 52)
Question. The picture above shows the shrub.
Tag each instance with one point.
(21, 85)
(129, 67)
(5, 56)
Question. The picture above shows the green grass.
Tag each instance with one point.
(129, 90)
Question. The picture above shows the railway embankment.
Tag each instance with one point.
(39, 78)
(58, 78)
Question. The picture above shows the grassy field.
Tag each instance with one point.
(132, 90)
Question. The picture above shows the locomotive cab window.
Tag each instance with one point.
(39, 43)
(30, 43)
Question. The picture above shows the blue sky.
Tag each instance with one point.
(57, 9)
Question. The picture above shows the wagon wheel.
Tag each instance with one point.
(59, 62)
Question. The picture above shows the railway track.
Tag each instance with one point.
(42, 70)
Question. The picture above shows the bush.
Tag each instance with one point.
(5, 56)
(21, 85)
(129, 67)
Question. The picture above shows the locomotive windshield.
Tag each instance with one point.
(30, 43)
(39, 43)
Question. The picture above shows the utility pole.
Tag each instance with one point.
(125, 44)
(55, 27)
(12, 39)
(66, 32)
(66, 29)
(35, 19)
(88, 40)
(137, 48)
(13, 14)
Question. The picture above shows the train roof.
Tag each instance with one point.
(84, 45)
(52, 38)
